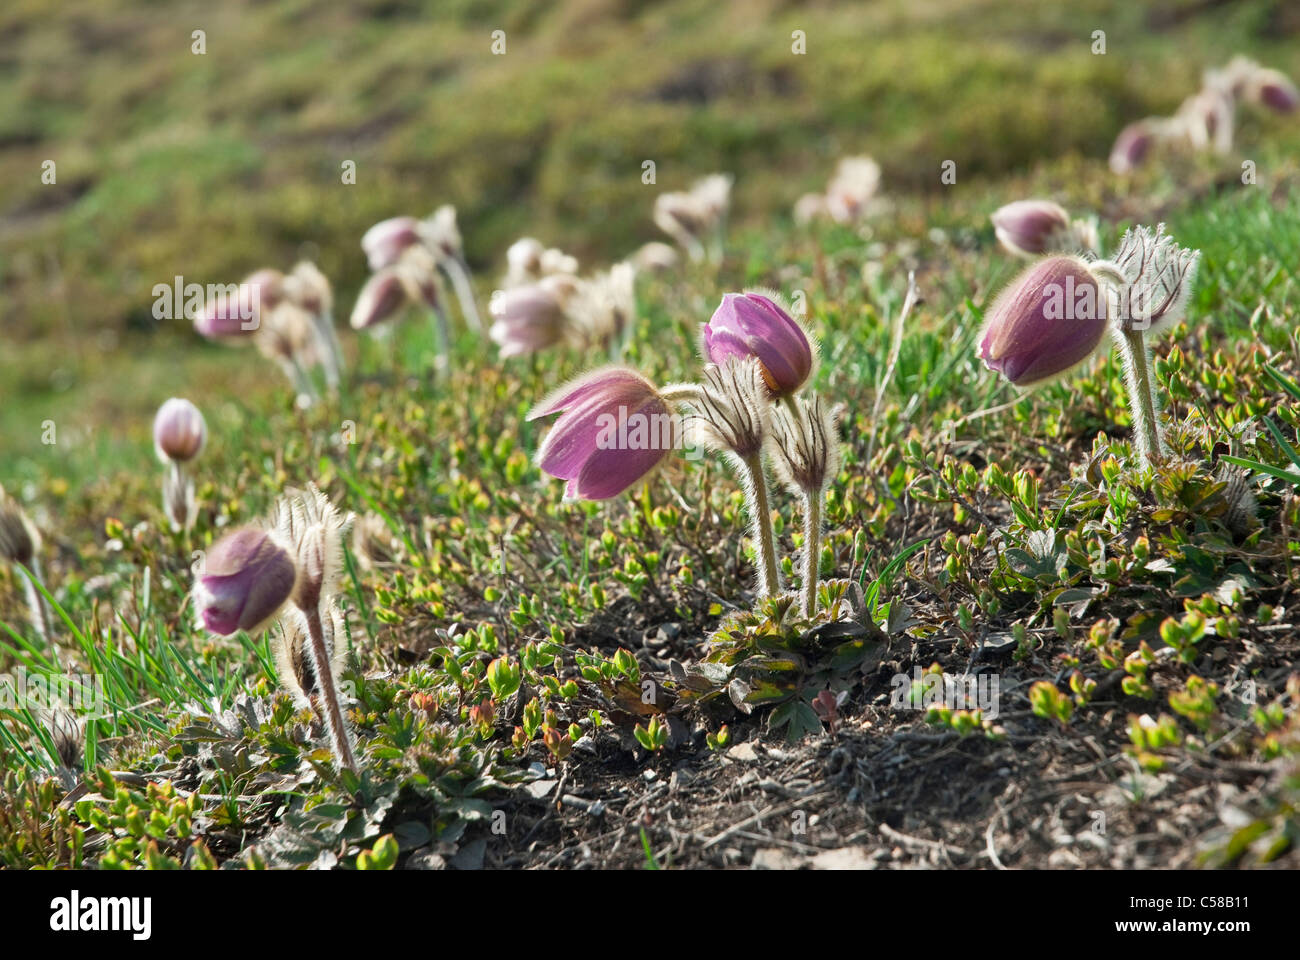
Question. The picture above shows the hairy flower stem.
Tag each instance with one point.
(306, 390)
(459, 276)
(333, 352)
(1141, 399)
(1137, 375)
(329, 691)
(178, 497)
(760, 517)
(441, 333)
(812, 549)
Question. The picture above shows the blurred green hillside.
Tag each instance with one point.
(208, 166)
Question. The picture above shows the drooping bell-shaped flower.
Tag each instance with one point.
(179, 431)
(386, 241)
(1273, 89)
(1046, 322)
(1027, 228)
(247, 578)
(1135, 142)
(384, 295)
(531, 318)
(754, 325)
(614, 428)
(233, 313)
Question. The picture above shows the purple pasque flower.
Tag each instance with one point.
(1135, 142)
(235, 313)
(1273, 89)
(178, 431)
(247, 578)
(614, 428)
(1047, 321)
(386, 241)
(385, 295)
(532, 317)
(753, 325)
(1028, 227)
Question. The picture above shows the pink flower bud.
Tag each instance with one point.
(235, 313)
(1273, 89)
(178, 431)
(1134, 143)
(247, 578)
(530, 318)
(614, 428)
(385, 295)
(385, 242)
(752, 325)
(1046, 322)
(1027, 227)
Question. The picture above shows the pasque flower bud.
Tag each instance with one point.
(178, 431)
(1028, 227)
(1273, 89)
(386, 241)
(247, 578)
(530, 318)
(754, 325)
(1135, 142)
(384, 295)
(1046, 322)
(614, 428)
